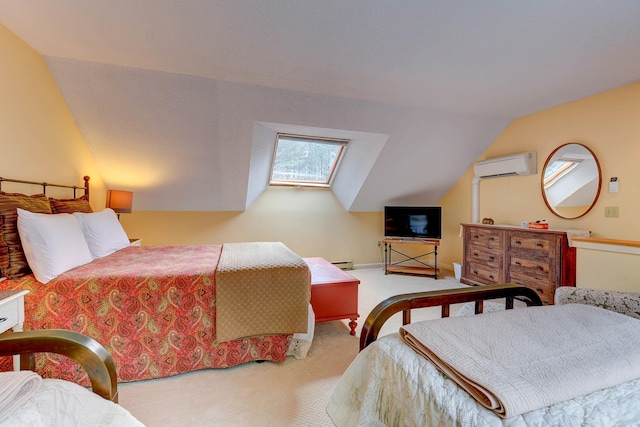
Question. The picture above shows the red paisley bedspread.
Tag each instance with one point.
(152, 307)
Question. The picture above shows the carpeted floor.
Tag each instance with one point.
(293, 393)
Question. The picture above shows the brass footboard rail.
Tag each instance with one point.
(87, 352)
(405, 302)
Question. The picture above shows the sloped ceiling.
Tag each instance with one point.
(179, 100)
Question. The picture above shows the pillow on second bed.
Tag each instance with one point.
(103, 232)
(52, 244)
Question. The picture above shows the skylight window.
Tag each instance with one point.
(304, 160)
(558, 169)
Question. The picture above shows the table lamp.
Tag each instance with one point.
(120, 201)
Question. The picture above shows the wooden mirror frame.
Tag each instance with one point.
(550, 160)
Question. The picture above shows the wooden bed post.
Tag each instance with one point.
(86, 185)
(87, 352)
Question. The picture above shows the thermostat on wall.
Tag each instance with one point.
(613, 185)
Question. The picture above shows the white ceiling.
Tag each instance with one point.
(178, 100)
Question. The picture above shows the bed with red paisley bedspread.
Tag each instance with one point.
(152, 307)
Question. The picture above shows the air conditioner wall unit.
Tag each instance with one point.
(514, 164)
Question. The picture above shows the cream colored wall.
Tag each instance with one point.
(38, 136)
(609, 270)
(608, 264)
(609, 124)
(314, 223)
(310, 221)
(40, 141)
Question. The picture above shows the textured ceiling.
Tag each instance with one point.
(179, 100)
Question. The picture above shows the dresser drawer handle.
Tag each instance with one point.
(517, 262)
(539, 267)
(475, 271)
(3, 319)
(491, 258)
(539, 244)
(492, 238)
(539, 289)
(475, 254)
(518, 242)
(491, 276)
(475, 236)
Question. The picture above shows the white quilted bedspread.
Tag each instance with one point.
(62, 403)
(388, 384)
(517, 361)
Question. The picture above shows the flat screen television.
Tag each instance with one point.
(413, 222)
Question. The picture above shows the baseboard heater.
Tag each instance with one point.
(344, 265)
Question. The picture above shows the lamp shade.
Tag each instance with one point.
(120, 201)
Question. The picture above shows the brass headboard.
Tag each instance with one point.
(46, 184)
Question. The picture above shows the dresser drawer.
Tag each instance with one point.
(483, 274)
(485, 238)
(538, 282)
(530, 265)
(8, 315)
(488, 257)
(541, 244)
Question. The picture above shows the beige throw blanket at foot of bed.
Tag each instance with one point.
(15, 389)
(516, 361)
(262, 288)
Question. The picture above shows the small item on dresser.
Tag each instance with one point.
(487, 221)
(539, 225)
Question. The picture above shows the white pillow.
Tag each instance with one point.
(52, 244)
(103, 232)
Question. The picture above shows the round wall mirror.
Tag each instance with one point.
(571, 181)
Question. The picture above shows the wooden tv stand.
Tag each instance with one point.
(423, 268)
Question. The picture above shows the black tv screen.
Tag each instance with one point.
(414, 222)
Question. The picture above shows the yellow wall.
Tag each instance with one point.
(315, 224)
(609, 124)
(38, 136)
(40, 141)
(610, 269)
(310, 221)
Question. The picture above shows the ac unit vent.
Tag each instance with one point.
(515, 164)
(343, 265)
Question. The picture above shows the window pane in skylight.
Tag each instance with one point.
(554, 167)
(302, 160)
(556, 170)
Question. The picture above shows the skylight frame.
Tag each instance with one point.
(341, 143)
(567, 166)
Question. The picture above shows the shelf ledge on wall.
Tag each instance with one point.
(610, 245)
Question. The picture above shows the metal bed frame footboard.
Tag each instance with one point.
(44, 185)
(444, 298)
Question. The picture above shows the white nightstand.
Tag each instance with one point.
(135, 242)
(12, 315)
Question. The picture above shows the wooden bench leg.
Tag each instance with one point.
(353, 325)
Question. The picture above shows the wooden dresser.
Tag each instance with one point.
(539, 259)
